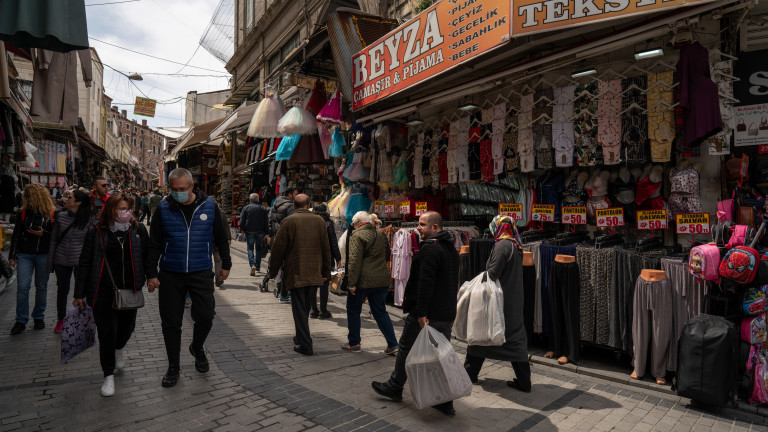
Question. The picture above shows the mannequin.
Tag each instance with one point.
(597, 186)
(625, 177)
(563, 259)
(650, 275)
(527, 258)
(648, 194)
(530, 293)
(574, 189)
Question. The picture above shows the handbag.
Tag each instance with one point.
(752, 130)
(741, 127)
(124, 299)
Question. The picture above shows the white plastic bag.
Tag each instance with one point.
(480, 312)
(435, 373)
(29, 161)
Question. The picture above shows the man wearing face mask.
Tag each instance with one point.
(183, 231)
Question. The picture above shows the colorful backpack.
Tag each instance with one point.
(753, 329)
(740, 264)
(755, 301)
(703, 262)
(760, 387)
(738, 236)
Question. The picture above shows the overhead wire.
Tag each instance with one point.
(111, 3)
(152, 56)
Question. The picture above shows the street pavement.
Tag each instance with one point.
(257, 382)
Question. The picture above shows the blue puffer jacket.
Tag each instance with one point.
(187, 249)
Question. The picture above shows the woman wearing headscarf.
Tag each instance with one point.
(322, 211)
(505, 265)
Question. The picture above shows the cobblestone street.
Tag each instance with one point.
(257, 382)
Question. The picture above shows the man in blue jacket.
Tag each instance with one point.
(254, 222)
(183, 231)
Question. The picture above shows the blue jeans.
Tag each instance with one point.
(254, 239)
(26, 265)
(377, 298)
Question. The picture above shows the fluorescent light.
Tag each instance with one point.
(414, 122)
(583, 73)
(468, 107)
(640, 55)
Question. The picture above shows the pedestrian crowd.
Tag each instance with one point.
(183, 252)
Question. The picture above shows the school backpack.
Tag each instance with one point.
(740, 264)
(704, 261)
(738, 236)
(754, 301)
(707, 363)
(753, 329)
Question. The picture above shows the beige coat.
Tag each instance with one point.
(54, 87)
(301, 246)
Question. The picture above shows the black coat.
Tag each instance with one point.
(26, 243)
(334, 242)
(434, 281)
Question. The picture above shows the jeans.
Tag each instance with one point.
(63, 279)
(26, 265)
(377, 298)
(254, 239)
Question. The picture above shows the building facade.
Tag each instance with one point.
(146, 145)
(205, 107)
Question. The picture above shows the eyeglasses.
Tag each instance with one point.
(104, 185)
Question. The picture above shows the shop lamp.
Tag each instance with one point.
(583, 73)
(468, 107)
(414, 122)
(640, 55)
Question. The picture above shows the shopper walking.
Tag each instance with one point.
(152, 203)
(322, 313)
(99, 195)
(183, 231)
(69, 229)
(301, 249)
(254, 222)
(144, 207)
(29, 250)
(368, 278)
(505, 265)
(281, 209)
(112, 256)
(429, 298)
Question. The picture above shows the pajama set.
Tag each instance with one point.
(722, 73)
(585, 124)
(525, 134)
(634, 121)
(661, 119)
(542, 128)
(511, 154)
(685, 188)
(609, 120)
(497, 137)
(562, 126)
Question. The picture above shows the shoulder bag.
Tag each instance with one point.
(124, 299)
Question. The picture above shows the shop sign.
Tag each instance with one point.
(543, 212)
(651, 219)
(144, 107)
(378, 206)
(752, 72)
(442, 37)
(513, 210)
(405, 207)
(389, 207)
(751, 125)
(421, 208)
(574, 215)
(692, 223)
(533, 16)
(610, 217)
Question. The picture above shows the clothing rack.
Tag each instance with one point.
(605, 241)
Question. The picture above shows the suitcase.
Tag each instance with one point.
(707, 365)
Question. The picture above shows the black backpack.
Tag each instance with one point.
(707, 364)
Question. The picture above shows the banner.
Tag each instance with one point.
(610, 217)
(751, 69)
(543, 212)
(513, 210)
(533, 16)
(144, 107)
(651, 219)
(421, 207)
(442, 37)
(692, 223)
(751, 125)
(574, 215)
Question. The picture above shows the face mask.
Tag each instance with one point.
(123, 216)
(181, 197)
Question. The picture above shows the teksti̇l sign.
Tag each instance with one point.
(444, 36)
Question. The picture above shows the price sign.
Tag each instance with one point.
(574, 215)
(610, 217)
(405, 207)
(378, 206)
(651, 219)
(762, 149)
(389, 207)
(513, 210)
(421, 208)
(692, 223)
(543, 212)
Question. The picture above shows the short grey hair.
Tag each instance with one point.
(179, 173)
(361, 217)
(254, 198)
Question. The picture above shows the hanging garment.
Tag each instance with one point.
(54, 86)
(634, 121)
(698, 95)
(722, 75)
(309, 150)
(652, 322)
(511, 155)
(401, 263)
(585, 125)
(562, 126)
(687, 301)
(609, 120)
(548, 191)
(625, 198)
(645, 189)
(684, 191)
(661, 121)
(572, 190)
(625, 270)
(383, 141)
(542, 128)
(564, 298)
(525, 134)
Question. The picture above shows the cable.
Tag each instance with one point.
(151, 56)
(190, 59)
(110, 3)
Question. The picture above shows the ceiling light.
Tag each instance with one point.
(468, 107)
(640, 55)
(414, 122)
(583, 73)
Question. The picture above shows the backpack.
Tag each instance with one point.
(753, 329)
(703, 262)
(740, 264)
(754, 301)
(738, 236)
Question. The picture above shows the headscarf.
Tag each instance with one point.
(504, 227)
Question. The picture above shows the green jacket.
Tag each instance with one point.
(367, 269)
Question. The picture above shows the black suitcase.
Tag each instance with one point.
(707, 365)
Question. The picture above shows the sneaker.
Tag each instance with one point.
(201, 361)
(391, 350)
(120, 358)
(108, 388)
(253, 271)
(353, 348)
(188, 303)
(59, 326)
(384, 389)
(285, 300)
(9, 281)
(171, 377)
(18, 328)
(39, 324)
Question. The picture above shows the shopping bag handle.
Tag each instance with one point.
(485, 276)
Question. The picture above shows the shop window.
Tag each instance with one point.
(274, 62)
(249, 14)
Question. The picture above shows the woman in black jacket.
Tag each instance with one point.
(29, 248)
(322, 211)
(120, 242)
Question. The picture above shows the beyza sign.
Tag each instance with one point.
(445, 35)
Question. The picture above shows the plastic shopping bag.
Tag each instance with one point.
(480, 312)
(462, 311)
(435, 373)
(79, 333)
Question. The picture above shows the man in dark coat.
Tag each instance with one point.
(254, 222)
(429, 298)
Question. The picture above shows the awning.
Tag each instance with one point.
(87, 143)
(196, 137)
(237, 120)
(239, 94)
(55, 25)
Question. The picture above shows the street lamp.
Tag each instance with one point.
(135, 77)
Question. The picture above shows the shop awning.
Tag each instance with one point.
(195, 137)
(55, 25)
(237, 120)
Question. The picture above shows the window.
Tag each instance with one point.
(142, 144)
(249, 14)
(134, 142)
(274, 62)
(292, 43)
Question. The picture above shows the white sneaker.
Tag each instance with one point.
(120, 359)
(108, 388)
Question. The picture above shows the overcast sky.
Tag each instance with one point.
(169, 29)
